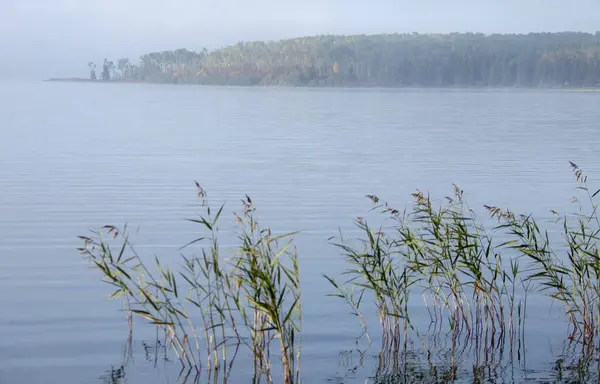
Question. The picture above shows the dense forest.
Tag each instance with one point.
(568, 59)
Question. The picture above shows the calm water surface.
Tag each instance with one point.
(75, 156)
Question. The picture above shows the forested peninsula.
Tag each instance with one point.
(567, 59)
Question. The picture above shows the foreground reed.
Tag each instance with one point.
(474, 287)
(251, 299)
(568, 269)
(448, 257)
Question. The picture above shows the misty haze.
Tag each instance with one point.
(299, 192)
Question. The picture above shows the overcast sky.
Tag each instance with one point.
(42, 38)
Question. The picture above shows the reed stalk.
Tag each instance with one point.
(475, 289)
(254, 295)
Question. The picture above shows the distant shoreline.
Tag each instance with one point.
(363, 86)
(84, 80)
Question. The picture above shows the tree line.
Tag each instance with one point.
(569, 59)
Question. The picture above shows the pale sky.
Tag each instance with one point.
(44, 38)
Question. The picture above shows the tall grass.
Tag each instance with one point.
(442, 254)
(472, 274)
(473, 287)
(568, 268)
(251, 298)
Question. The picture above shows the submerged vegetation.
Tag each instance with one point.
(472, 276)
(568, 59)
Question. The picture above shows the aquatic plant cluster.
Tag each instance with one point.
(473, 287)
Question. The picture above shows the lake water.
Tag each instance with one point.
(75, 156)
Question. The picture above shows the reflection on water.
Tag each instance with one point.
(445, 360)
(117, 375)
(114, 376)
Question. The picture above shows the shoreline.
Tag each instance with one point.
(348, 86)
